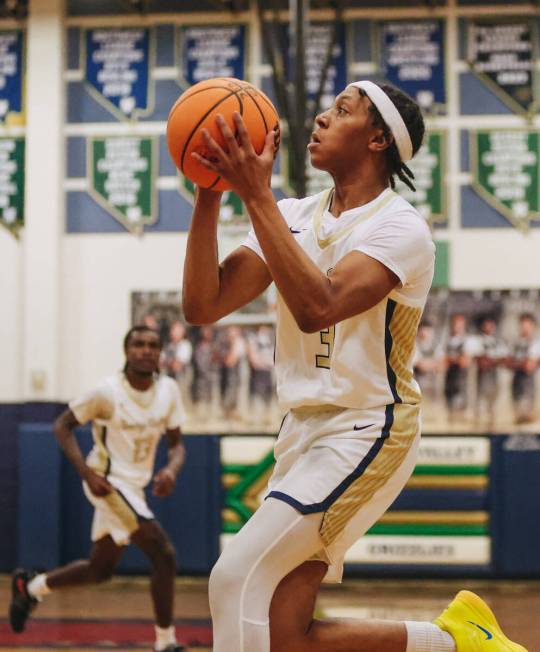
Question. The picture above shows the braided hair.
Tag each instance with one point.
(412, 117)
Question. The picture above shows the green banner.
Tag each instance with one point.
(231, 212)
(441, 277)
(12, 183)
(123, 178)
(428, 169)
(505, 167)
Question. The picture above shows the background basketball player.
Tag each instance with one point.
(130, 411)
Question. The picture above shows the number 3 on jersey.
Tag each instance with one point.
(323, 360)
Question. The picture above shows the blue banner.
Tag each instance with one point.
(212, 51)
(11, 73)
(412, 58)
(318, 40)
(502, 54)
(117, 68)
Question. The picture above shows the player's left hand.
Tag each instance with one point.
(163, 483)
(247, 172)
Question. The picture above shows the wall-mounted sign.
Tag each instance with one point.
(117, 69)
(212, 51)
(11, 76)
(123, 178)
(501, 55)
(506, 172)
(12, 183)
(412, 58)
(319, 39)
(428, 169)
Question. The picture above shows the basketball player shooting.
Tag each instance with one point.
(353, 266)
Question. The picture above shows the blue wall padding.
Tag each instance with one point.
(516, 504)
(39, 532)
(9, 421)
(191, 516)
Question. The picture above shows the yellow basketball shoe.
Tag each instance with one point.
(473, 626)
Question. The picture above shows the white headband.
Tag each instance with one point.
(390, 115)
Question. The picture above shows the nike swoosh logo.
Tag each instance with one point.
(294, 231)
(489, 635)
(363, 427)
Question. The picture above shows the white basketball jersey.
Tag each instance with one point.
(127, 425)
(364, 361)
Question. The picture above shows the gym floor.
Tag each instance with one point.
(118, 615)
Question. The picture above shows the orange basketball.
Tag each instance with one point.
(198, 107)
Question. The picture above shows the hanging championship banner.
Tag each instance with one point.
(501, 55)
(319, 38)
(117, 69)
(412, 58)
(231, 212)
(428, 169)
(123, 178)
(212, 51)
(12, 183)
(11, 76)
(506, 172)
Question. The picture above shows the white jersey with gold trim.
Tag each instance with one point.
(364, 361)
(127, 425)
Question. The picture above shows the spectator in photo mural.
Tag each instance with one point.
(176, 357)
(457, 362)
(151, 321)
(260, 353)
(489, 353)
(231, 350)
(428, 360)
(524, 360)
(203, 363)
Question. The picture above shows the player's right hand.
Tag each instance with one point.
(98, 485)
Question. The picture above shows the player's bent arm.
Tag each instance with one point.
(212, 290)
(176, 450)
(64, 427)
(355, 284)
(165, 478)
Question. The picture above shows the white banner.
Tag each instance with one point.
(420, 550)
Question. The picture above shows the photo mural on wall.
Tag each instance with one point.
(477, 361)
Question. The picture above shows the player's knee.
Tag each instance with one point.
(100, 573)
(226, 580)
(161, 554)
(167, 557)
(289, 644)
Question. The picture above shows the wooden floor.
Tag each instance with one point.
(118, 615)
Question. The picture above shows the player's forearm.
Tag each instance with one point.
(305, 290)
(176, 457)
(201, 284)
